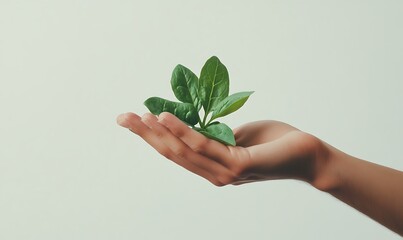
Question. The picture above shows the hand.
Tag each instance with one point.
(273, 150)
(265, 150)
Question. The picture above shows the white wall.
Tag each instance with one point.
(68, 68)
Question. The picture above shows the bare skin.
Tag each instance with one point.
(274, 150)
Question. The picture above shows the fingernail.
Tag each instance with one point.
(122, 120)
(162, 118)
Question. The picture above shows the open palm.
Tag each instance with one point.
(265, 149)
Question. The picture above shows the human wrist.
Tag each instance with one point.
(326, 166)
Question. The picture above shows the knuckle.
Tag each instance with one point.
(226, 179)
(179, 132)
(159, 134)
(181, 152)
(217, 183)
(201, 145)
(166, 154)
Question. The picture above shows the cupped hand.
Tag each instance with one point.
(265, 149)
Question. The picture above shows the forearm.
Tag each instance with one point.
(375, 190)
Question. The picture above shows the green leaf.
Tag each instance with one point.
(185, 86)
(219, 132)
(213, 83)
(184, 111)
(230, 104)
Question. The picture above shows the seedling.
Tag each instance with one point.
(210, 92)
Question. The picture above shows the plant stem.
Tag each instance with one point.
(203, 125)
(200, 121)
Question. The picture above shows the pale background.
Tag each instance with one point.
(68, 68)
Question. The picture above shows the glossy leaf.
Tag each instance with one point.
(184, 111)
(230, 104)
(213, 83)
(219, 132)
(185, 85)
(210, 91)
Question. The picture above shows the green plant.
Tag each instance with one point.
(210, 92)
